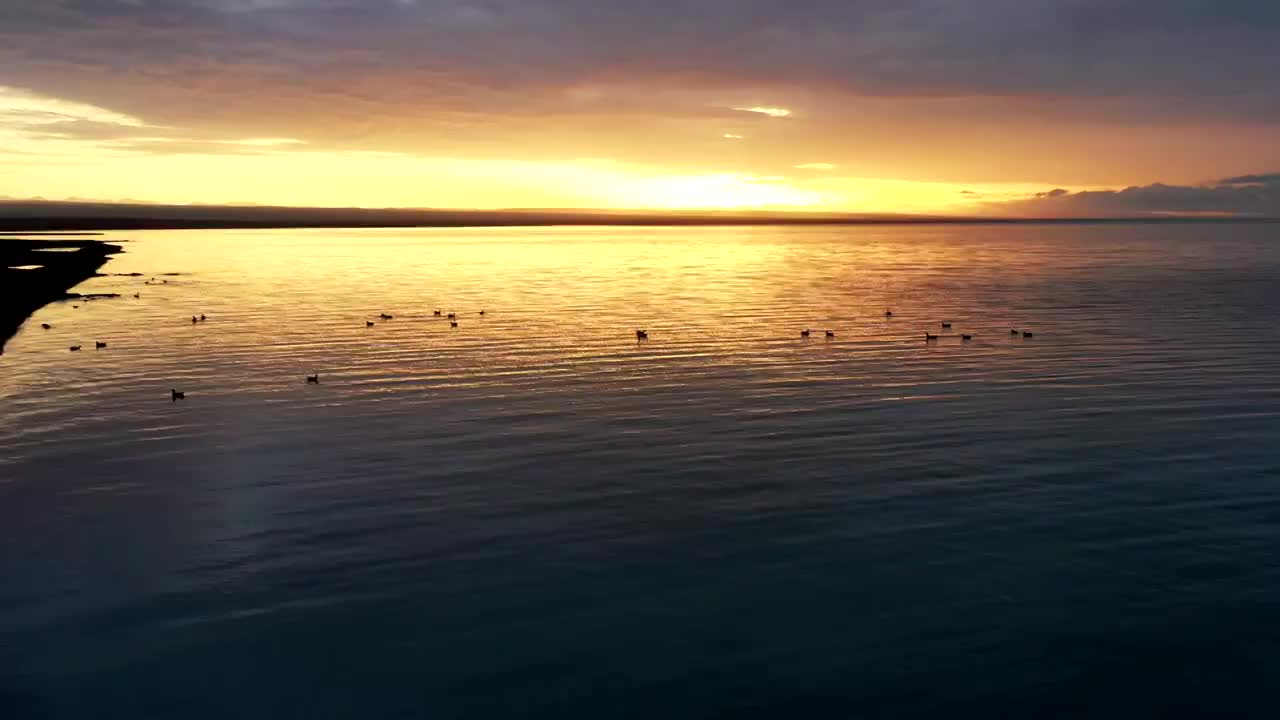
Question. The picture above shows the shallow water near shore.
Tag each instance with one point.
(536, 515)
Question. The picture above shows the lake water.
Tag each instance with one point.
(536, 515)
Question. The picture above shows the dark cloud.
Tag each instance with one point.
(1244, 196)
(481, 55)
(1257, 180)
(966, 91)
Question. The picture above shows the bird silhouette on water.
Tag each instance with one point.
(928, 337)
(642, 334)
(1013, 332)
(137, 295)
(804, 333)
(888, 313)
(1027, 334)
(966, 338)
(202, 317)
(437, 313)
(453, 316)
(194, 320)
(481, 312)
(313, 379)
(176, 396)
(830, 334)
(453, 323)
(946, 325)
(384, 316)
(75, 348)
(46, 326)
(368, 323)
(99, 345)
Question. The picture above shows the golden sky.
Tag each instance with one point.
(808, 105)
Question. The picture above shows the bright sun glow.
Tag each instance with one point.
(723, 191)
(140, 161)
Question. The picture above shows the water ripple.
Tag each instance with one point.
(536, 500)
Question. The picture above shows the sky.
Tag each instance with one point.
(1012, 107)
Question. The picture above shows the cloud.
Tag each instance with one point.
(27, 117)
(1243, 196)
(264, 142)
(776, 112)
(895, 88)
(1253, 180)
(193, 146)
(485, 55)
(18, 106)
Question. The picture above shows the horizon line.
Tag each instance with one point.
(35, 215)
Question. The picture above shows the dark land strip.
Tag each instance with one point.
(22, 292)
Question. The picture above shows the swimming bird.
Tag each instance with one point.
(75, 307)
(830, 334)
(46, 326)
(99, 345)
(194, 320)
(1027, 335)
(888, 313)
(946, 325)
(928, 337)
(804, 333)
(966, 338)
(314, 379)
(642, 334)
(368, 323)
(481, 312)
(453, 316)
(437, 313)
(176, 396)
(202, 317)
(137, 295)
(1013, 332)
(164, 282)
(384, 316)
(75, 348)
(453, 323)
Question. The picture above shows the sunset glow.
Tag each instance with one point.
(134, 161)
(404, 104)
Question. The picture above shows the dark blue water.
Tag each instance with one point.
(534, 515)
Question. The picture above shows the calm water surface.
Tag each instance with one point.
(534, 515)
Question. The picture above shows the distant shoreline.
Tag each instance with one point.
(50, 216)
(23, 292)
(95, 225)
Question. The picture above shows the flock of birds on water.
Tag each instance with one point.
(641, 335)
